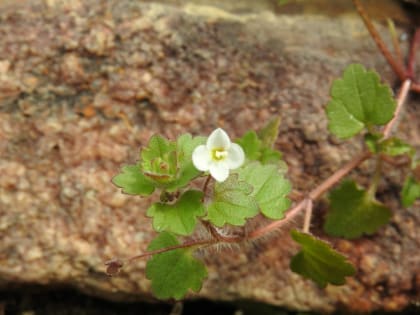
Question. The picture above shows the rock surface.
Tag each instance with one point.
(84, 84)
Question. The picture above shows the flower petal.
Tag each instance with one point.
(218, 139)
(201, 158)
(235, 157)
(219, 171)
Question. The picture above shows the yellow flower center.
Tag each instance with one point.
(218, 154)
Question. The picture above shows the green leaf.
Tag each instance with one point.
(232, 203)
(159, 160)
(353, 212)
(410, 191)
(132, 181)
(270, 188)
(180, 217)
(174, 272)
(358, 100)
(318, 261)
(255, 149)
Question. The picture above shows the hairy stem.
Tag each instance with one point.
(170, 248)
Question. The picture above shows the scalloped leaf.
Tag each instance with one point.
(232, 203)
(318, 261)
(180, 217)
(270, 188)
(133, 182)
(175, 272)
(358, 100)
(353, 212)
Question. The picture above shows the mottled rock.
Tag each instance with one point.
(84, 84)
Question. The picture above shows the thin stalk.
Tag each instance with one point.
(170, 248)
(206, 184)
(402, 97)
(376, 178)
(395, 42)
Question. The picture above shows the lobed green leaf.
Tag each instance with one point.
(358, 100)
(180, 217)
(318, 261)
(173, 273)
(132, 181)
(353, 212)
(270, 188)
(232, 203)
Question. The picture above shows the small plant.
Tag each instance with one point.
(246, 178)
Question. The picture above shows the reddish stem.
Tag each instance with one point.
(206, 184)
(167, 249)
(412, 57)
(395, 65)
(415, 87)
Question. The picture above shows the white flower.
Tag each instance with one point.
(218, 156)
